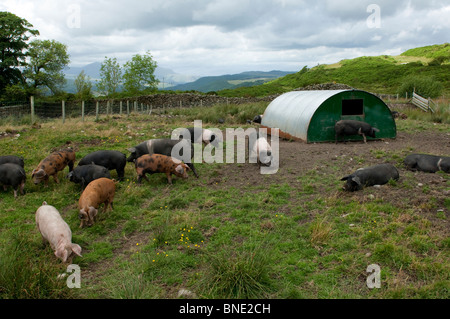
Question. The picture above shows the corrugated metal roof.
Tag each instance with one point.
(292, 111)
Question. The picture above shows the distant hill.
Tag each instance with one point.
(230, 81)
(378, 74)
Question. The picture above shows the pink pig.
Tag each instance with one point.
(56, 231)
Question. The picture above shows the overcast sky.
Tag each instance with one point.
(215, 37)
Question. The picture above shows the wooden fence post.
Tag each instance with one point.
(128, 108)
(107, 107)
(96, 110)
(120, 107)
(63, 105)
(82, 111)
(32, 109)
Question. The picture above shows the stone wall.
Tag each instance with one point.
(190, 100)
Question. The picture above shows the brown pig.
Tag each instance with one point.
(52, 164)
(157, 163)
(97, 192)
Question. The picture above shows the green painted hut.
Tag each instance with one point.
(311, 115)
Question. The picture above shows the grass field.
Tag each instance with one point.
(232, 233)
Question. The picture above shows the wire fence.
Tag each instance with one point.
(143, 105)
(157, 103)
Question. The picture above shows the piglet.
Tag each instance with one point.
(56, 231)
(52, 164)
(99, 191)
(157, 163)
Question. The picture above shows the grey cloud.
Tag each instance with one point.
(221, 33)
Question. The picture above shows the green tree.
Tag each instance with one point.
(139, 74)
(84, 86)
(110, 76)
(48, 58)
(14, 34)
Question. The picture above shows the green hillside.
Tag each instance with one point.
(431, 51)
(378, 74)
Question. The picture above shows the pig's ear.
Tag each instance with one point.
(356, 180)
(39, 173)
(131, 149)
(345, 178)
(82, 214)
(62, 253)
(76, 249)
(92, 212)
(179, 169)
(375, 129)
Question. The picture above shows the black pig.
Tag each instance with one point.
(375, 175)
(12, 175)
(427, 163)
(107, 158)
(352, 127)
(12, 159)
(87, 173)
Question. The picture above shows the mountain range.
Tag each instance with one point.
(230, 81)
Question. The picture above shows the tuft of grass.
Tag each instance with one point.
(238, 274)
(321, 231)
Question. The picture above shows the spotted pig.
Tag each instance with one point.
(52, 164)
(158, 163)
(182, 149)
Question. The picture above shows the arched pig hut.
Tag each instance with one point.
(311, 115)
